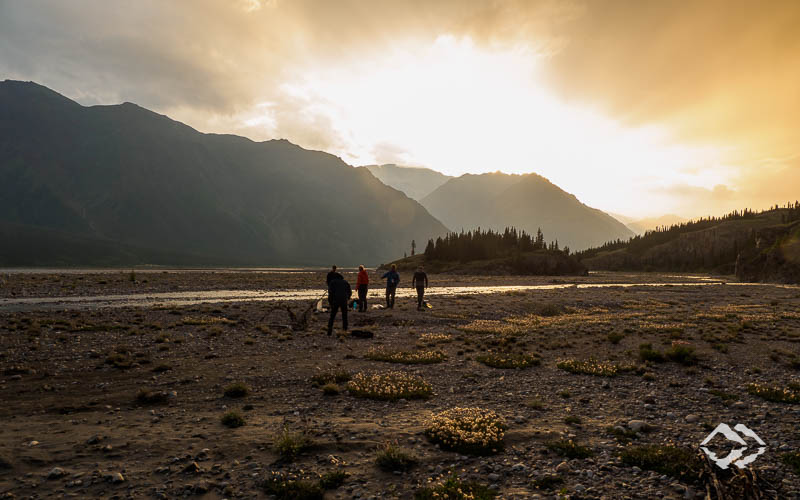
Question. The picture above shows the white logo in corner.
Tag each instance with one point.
(735, 456)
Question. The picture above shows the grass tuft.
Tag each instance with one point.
(569, 449)
(665, 459)
(232, 419)
(392, 458)
(289, 445)
(454, 489)
(237, 390)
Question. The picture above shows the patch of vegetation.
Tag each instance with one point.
(569, 449)
(572, 420)
(647, 353)
(331, 389)
(622, 434)
(163, 367)
(337, 377)
(332, 480)
(792, 459)
(682, 353)
(725, 396)
(565, 394)
(237, 390)
(389, 386)
(471, 431)
(615, 337)
(232, 419)
(392, 458)
(790, 394)
(508, 360)
(548, 482)
(289, 445)
(535, 404)
(148, 397)
(406, 357)
(665, 459)
(286, 487)
(548, 309)
(588, 367)
(453, 488)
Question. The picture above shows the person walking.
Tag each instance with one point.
(339, 293)
(392, 280)
(420, 282)
(362, 285)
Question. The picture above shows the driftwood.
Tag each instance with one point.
(734, 483)
(298, 320)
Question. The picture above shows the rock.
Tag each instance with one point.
(637, 425)
(31, 444)
(562, 468)
(93, 440)
(117, 478)
(739, 405)
(691, 418)
(200, 488)
(192, 468)
(56, 473)
(494, 477)
(580, 488)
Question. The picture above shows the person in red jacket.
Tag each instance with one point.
(362, 285)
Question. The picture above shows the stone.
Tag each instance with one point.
(691, 418)
(637, 425)
(562, 468)
(56, 473)
(580, 488)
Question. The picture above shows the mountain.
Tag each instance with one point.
(120, 185)
(415, 182)
(641, 226)
(761, 246)
(527, 202)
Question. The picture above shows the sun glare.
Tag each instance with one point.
(460, 108)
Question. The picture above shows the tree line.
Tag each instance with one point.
(640, 243)
(486, 244)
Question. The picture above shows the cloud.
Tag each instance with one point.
(716, 72)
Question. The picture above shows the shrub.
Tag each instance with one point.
(392, 458)
(232, 419)
(473, 431)
(331, 389)
(792, 459)
(453, 488)
(647, 353)
(588, 367)
(237, 390)
(406, 357)
(548, 309)
(286, 487)
(665, 459)
(615, 337)
(148, 397)
(682, 353)
(338, 377)
(572, 420)
(623, 435)
(508, 360)
(569, 449)
(389, 386)
(775, 394)
(289, 445)
(332, 480)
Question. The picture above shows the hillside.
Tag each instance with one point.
(641, 226)
(415, 182)
(120, 185)
(755, 246)
(527, 202)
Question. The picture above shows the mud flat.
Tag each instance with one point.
(127, 400)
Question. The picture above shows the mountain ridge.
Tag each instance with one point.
(127, 175)
(526, 201)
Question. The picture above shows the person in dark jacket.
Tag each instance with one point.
(362, 285)
(332, 275)
(392, 279)
(420, 282)
(339, 293)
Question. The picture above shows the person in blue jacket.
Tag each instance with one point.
(392, 280)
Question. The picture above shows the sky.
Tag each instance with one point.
(637, 108)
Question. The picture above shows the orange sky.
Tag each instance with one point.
(639, 108)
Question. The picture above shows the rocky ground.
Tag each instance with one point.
(76, 421)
